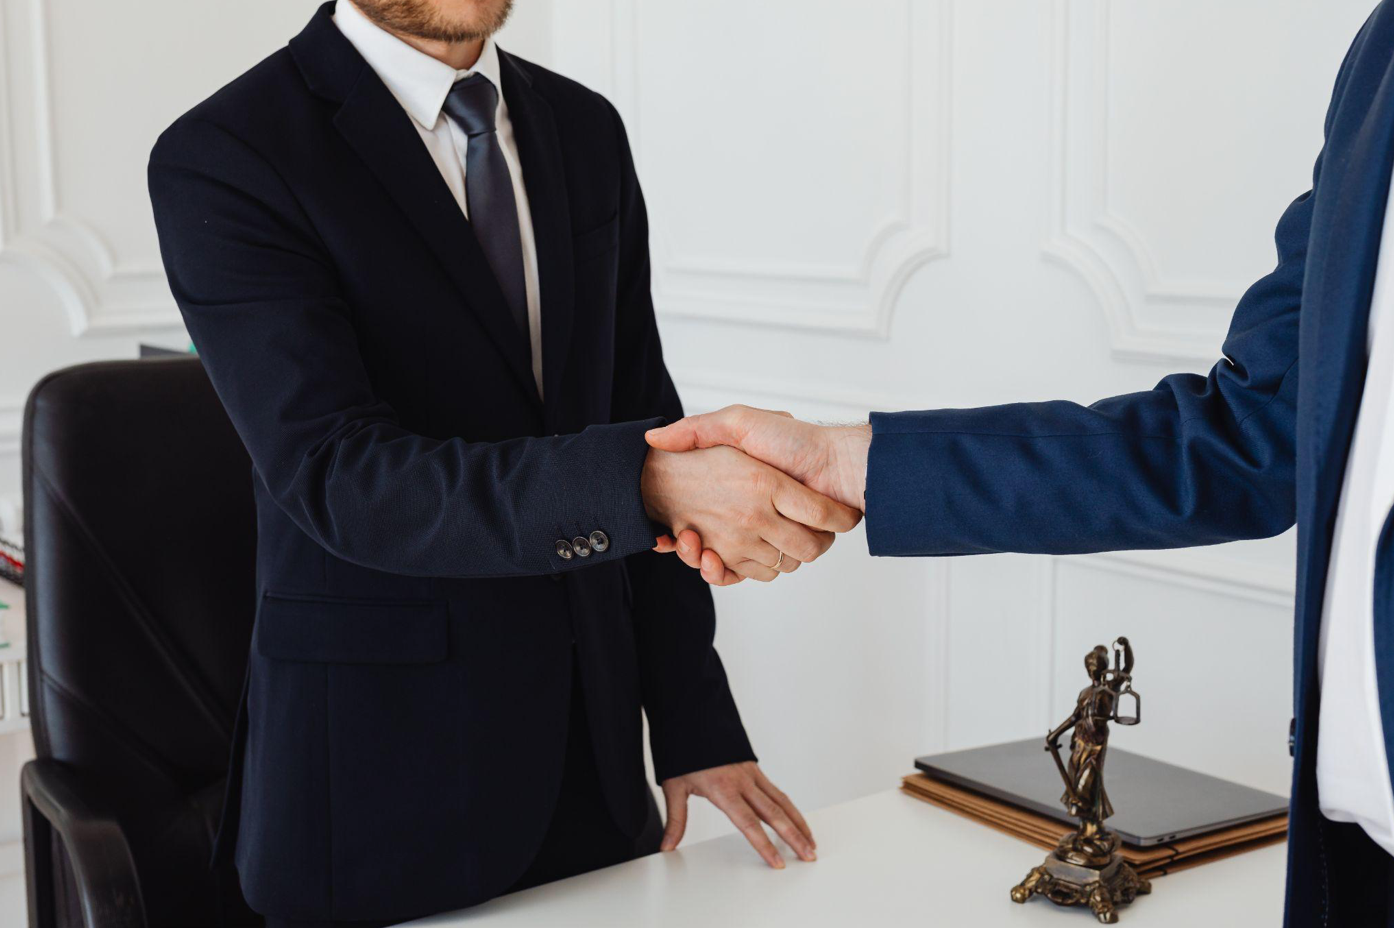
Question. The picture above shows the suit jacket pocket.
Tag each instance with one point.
(602, 239)
(323, 630)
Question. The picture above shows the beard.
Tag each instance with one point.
(450, 21)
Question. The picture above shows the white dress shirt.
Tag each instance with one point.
(420, 83)
(1352, 768)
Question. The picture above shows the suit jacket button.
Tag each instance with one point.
(564, 550)
(599, 541)
(582, 546)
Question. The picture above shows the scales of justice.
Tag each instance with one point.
(1087, 866)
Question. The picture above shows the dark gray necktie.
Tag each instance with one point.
(493, 211)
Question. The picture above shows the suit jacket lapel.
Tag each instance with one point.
(1351, 245)
(539, 150)
(380, 131)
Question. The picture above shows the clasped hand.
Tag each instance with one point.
(753, 493)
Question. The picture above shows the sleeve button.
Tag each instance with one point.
(564, 549)
(582, 546)
(600, 541)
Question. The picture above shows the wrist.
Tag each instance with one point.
(650, 486)
(851, 446)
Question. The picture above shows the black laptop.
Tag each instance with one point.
(1154, 802)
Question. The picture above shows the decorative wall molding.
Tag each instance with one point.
(8, 180)
(99, 293)
(710, 388)
(1151, 317)
(858, 295)
(11, 423)
(11, 427)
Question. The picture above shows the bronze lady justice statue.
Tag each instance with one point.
(1086, 867)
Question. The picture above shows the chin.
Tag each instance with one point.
(475, 17)
(439, 20)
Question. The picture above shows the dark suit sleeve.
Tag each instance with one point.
(1196, 460)
(261, 301)
(693, 721)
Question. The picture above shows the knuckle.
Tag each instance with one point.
(753, 482)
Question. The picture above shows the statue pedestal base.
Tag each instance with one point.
(1102, 888)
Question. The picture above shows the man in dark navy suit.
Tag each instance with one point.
(416, 269)
(1294, 424)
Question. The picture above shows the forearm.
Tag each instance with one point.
(387, 499)
(1058, 478)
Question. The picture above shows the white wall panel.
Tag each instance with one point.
(767, 205)
(1174, 125)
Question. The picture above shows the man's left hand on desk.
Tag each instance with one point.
(746, 795)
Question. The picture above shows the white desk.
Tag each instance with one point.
(886, 859)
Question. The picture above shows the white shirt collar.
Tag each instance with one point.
(419, 82)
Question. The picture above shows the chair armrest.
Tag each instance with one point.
(107, 887)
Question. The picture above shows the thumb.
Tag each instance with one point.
(723, 427)
(675, 798)
(683, 435)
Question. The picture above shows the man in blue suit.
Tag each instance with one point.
(1294, 424)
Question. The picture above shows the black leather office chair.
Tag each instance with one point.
(139, 530)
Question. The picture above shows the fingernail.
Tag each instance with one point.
(684, 547)
(778, 862)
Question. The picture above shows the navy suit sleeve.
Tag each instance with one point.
(1196, 460)
(693, 721)
(260, 298)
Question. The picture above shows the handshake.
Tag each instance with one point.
(753, 493)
